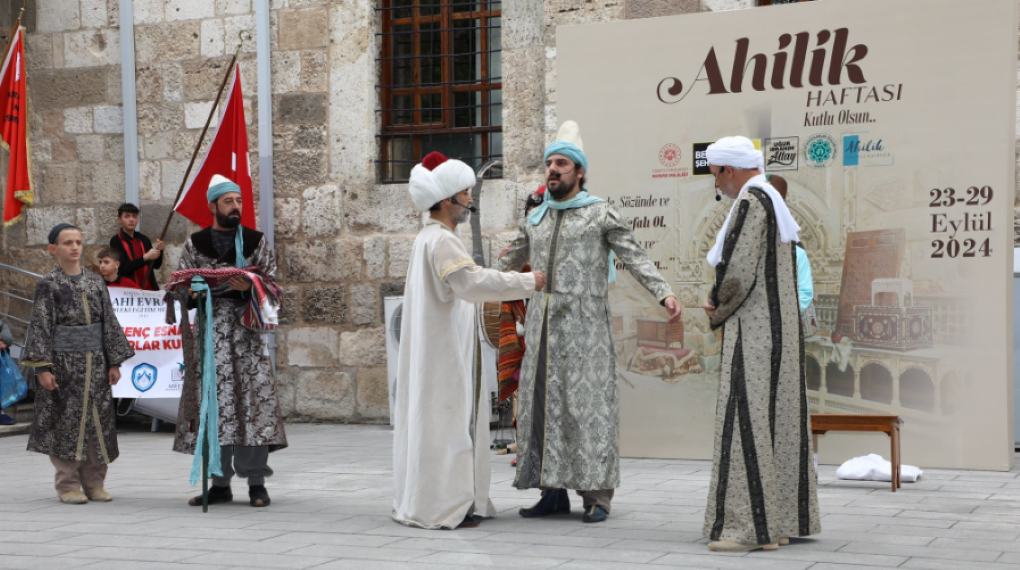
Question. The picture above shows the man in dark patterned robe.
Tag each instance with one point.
(250, 422)
(76, 346)
(763, 488)
(568, 417)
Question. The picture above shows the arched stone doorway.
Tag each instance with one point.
(839, 383)
(917, 391)
(876, 383)
(813, 372)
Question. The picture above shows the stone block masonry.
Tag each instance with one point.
(343, 241)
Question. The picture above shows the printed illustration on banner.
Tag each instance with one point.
(143, 377)
(781, 154)
(820, 150)
(864, 150)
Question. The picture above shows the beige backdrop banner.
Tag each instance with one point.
(893, 123)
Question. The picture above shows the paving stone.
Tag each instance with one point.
(487, 560)
(794, 552)
(936, 564)
(910, 551)
(331, 506)
(249, 560)
(710, 560)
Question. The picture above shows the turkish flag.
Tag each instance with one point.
(228, 157)
(14, 129)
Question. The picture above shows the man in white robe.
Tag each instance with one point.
(440, 422)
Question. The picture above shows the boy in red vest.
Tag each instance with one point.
(109, 265)
(136, 249)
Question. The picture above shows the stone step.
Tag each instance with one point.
(24, 413)
(16, 429)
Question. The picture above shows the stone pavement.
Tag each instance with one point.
(332, 495)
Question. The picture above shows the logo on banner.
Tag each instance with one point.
(781, 154)
(177, 374)
(820, 150)
(143, 377)
(669, 155)
(701, 159)
(865, 152)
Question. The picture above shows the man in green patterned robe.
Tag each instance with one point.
(763, 489)
(568, 411)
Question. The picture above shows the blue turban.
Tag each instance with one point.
(217, 190)
(569, 150)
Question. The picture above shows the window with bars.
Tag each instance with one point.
(440, 83)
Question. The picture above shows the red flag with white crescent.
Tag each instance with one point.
(228, 157)
(14, 129)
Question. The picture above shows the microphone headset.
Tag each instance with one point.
(471, 209)
(718, 197)
(558, 175)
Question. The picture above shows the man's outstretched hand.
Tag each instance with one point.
(674, 307)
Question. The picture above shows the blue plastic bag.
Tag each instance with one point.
(12, 385)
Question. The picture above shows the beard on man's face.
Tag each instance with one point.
(230, 220)
(561, 188)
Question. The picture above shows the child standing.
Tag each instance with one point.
(136, 250)
(109, 265)
(76, 346)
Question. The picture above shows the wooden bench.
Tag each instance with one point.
(822, 423)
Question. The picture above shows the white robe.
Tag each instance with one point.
(441, 441)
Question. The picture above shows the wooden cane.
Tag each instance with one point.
(194, 156)
(205, 448)
(205, 478)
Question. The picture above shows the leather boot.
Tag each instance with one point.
(553, 502)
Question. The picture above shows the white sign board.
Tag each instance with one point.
(157, 368)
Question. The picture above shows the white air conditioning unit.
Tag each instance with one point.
(392, 311)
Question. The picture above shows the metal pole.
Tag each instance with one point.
(265, 120)
(130, 105)
(267, 214)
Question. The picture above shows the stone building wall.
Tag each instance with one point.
(342, 240)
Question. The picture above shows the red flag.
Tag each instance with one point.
(14, 129)
(228, 157)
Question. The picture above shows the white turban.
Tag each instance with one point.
(428, 187)
(738, 152)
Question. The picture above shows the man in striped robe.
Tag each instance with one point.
(763, 487)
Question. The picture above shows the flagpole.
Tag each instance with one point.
(194, 156)
(17, 24)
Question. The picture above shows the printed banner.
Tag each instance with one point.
(157, 368)
(898, 150)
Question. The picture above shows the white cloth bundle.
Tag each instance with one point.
(875, 468)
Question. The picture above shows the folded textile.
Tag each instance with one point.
(875, 468)
(260, 313)
(511, 347)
